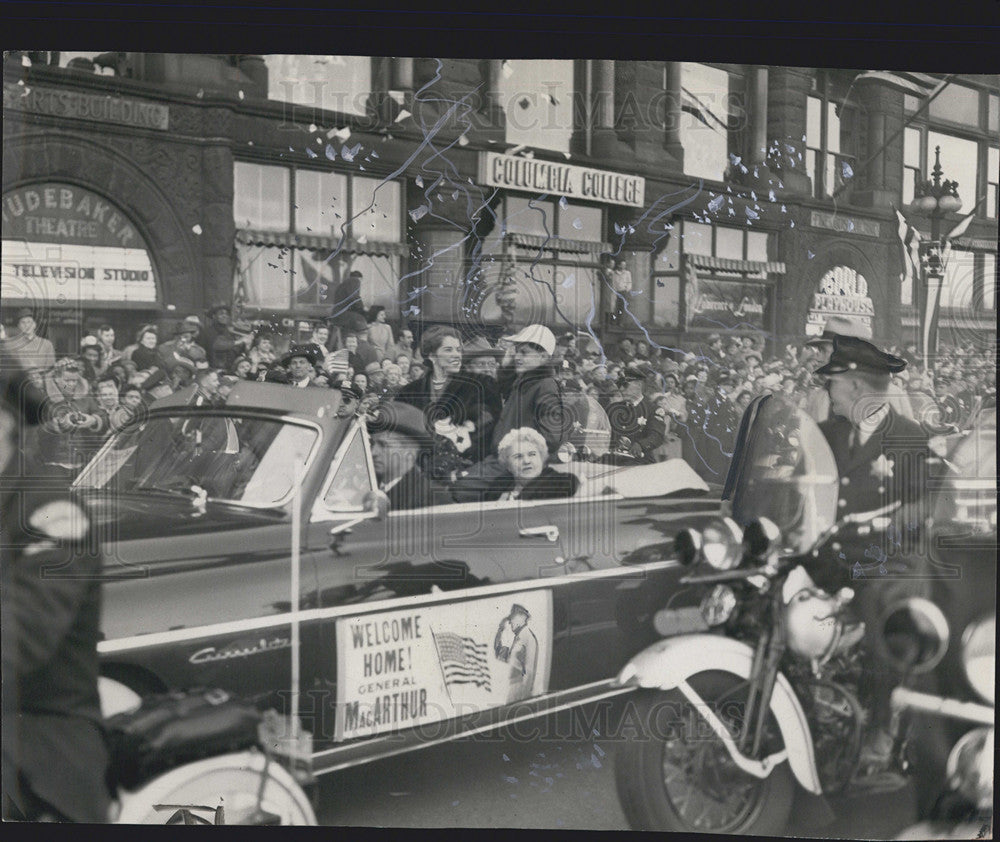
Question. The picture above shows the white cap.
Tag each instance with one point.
(537, 335)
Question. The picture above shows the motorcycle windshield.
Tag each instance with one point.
(783, 469)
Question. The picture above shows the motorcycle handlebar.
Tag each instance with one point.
(906, 699)
(728, 576)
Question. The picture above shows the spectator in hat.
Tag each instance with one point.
(92, 357)
(242, 367)
(347, 296)
(218, 337)
(54, 753)
(73, 426)
(380, 331)
(481, 358)
(144, 354)
(637, 426)
(25, 345)
(183, 350)
(300, 362)
(535, 398)
(881, 458)
(354, 330)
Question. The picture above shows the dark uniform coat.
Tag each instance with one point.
(53, 745)
(641, 423)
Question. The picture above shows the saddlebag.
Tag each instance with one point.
(171, 729)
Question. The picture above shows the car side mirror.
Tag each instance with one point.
(378, 502)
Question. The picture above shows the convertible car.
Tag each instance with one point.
(238, 536)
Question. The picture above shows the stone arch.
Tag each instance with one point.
(80, 161)
(840, 253)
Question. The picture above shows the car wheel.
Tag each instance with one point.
(677, 775)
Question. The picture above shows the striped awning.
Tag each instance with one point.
(557, 243)
(318, 242)
(729, 264)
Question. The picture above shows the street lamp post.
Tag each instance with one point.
(934, 199)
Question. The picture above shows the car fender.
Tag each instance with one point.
(667, 664)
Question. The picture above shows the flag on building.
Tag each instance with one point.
(463, 661)
(915, 84)
(955, 233)
(910, 238)
(691, 104)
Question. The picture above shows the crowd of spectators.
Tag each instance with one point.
(628, 402)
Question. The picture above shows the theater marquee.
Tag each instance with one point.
(517, 173)
(65, 245)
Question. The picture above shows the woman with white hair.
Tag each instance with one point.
(523, 453)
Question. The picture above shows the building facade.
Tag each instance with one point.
(660, 199)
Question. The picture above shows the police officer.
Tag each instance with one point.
(638, 427)
(881, 459)
(54, 754)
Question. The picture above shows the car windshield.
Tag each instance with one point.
(245, 459)
(784, 471)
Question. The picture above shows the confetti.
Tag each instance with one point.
(200, 93)
(311, 154)
(196, 228)
(402, 115)
(240, 94)
(463, 141)
(313, 128)
(507, 69)
(331, 152)
(419, 181)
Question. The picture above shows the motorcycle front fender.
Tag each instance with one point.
(667, 664)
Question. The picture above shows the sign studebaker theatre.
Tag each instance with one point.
(63, 243)
(423, 624)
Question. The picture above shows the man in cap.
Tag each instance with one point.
(817, 401)
(401, 445)
(535, 398)
(301, 363)
(881, 459)
(73, 426)
(54, 753)
(31, 350)
(220, 342)
(637, 426)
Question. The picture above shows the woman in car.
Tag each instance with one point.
(523, 453)
(445, 392)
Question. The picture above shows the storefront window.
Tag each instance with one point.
(729, 242)
(956, 104)
(757, 246)
(298, 269)
(376, 208)
(537, 97)
(697, 238)
(320, 202)
(332, 83)
(532, 275)
(260, 197)
(704, 122)
(958, 160)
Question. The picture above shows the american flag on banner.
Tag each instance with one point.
(463, 661)
(910, 239)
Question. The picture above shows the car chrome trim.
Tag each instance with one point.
(141, 641)
(321, 513)
(566, 699)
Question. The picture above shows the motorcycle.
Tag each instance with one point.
(766, 692)
(964, 807)
(201, 757)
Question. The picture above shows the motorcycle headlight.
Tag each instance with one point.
(722, 544)
(761, 538)
(687, 545)
(970, 767)
(718, 605)
(979, 656)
